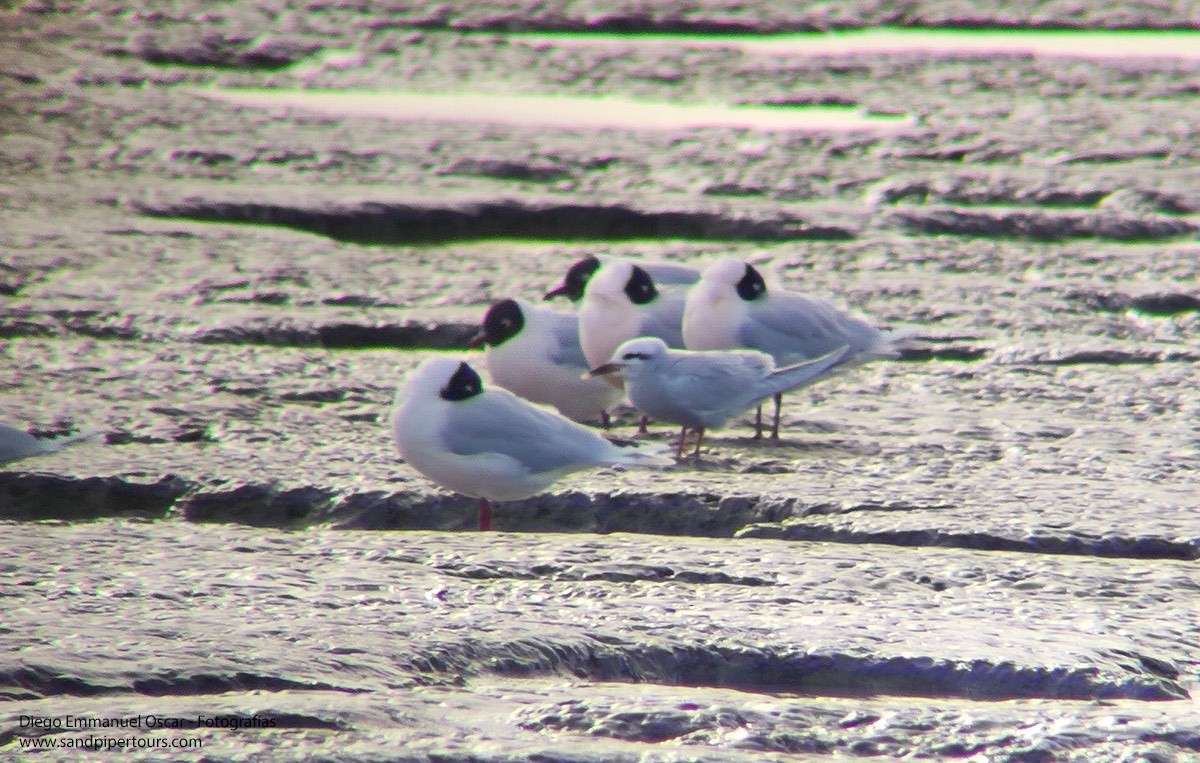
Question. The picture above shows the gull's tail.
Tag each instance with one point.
(802, 374)
(55, 444)
(642, 455)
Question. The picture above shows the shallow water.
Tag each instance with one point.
(562, 111)
(445, 643)
(1082, 44)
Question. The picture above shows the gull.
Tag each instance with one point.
(488, 443)
(17, 443)
(621, 302)
(732, 306)
(535, 353)
(704, 389)
(576, 279)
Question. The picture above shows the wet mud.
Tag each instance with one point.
(985, 548)
(499, 646)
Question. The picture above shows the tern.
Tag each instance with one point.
(704, 389)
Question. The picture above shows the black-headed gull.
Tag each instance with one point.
(535, 353)
(734, 306)
(490, 444)
(622, 301)
(581, 271)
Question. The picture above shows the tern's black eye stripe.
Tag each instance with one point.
(632, 355)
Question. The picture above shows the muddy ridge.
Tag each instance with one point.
(387, 223)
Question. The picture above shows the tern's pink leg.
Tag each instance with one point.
(682, 440)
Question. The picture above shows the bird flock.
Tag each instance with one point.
(689, 348)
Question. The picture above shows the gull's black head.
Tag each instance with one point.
(503, 321)
(576, 280)
(463, 385)
(752, 286)
(640, 287)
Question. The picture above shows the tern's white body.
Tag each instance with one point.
(704, 389)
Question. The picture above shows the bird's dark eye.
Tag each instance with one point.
(635, 356)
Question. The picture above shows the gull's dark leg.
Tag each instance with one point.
(699, 440)
(758, 423)
(775, 429)
(642, 425)
(682, 439)
(485, 514)
(605, 420)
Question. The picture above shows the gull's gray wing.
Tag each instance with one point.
(670, 274)
(663, 318)
(500, 422)
(793, 327)
(566, 351)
